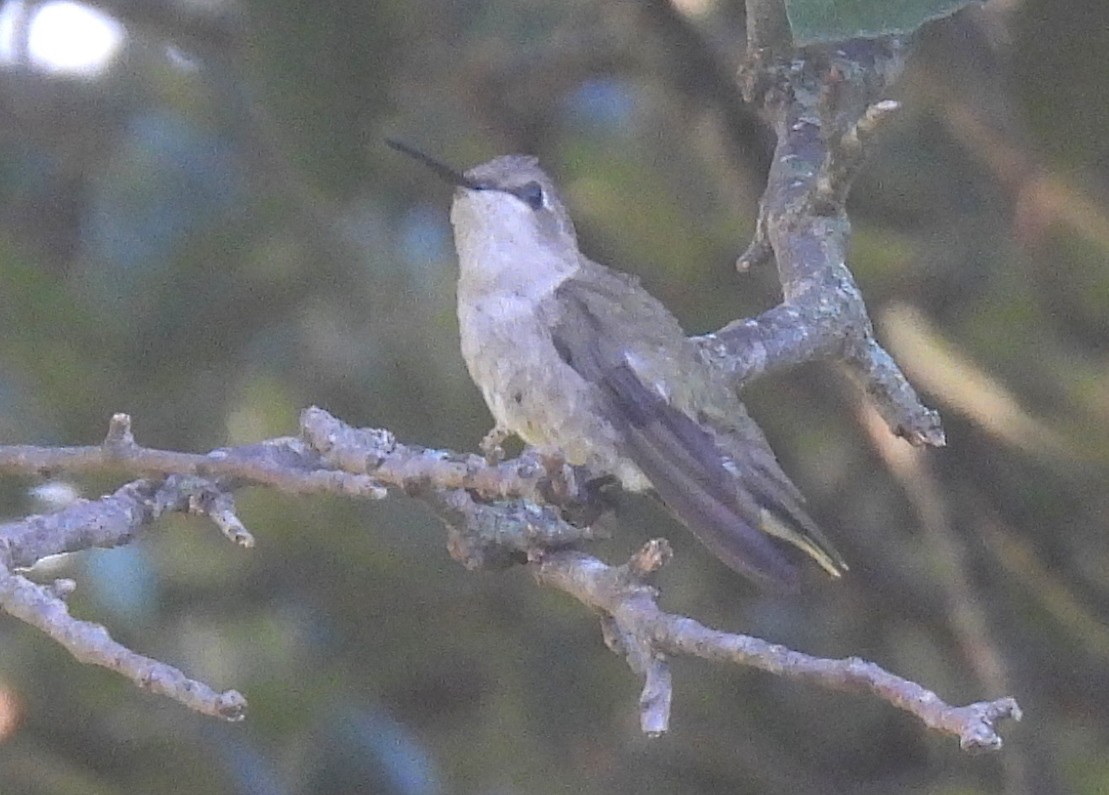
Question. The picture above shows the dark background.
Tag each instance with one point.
(210, 235)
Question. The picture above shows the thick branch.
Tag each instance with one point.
(824, 106)
(768, 28)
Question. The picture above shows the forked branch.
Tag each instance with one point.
(494, 518)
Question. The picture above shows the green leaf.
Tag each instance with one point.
(835, 20)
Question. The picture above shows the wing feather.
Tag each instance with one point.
(683, 461)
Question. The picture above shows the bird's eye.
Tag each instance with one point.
(530, 194)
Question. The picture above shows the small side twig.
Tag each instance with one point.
(219, 506)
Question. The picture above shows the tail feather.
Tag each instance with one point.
(686, 469)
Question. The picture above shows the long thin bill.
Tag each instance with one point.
(444, 171)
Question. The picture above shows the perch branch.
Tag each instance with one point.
(497, 513)
(202, 484)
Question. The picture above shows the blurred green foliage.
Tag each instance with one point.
(210, 235)
(836, 20)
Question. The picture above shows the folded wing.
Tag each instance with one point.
(697, 480)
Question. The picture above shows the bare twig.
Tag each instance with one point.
(43, 608)
(964, 386)
(219, 506)
(630, 607)
(492, 536)
(108, 522)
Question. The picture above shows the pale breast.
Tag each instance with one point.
(529, 389)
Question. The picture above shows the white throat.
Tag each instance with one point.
(500, 254)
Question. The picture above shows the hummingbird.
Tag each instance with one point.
(577, 358)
